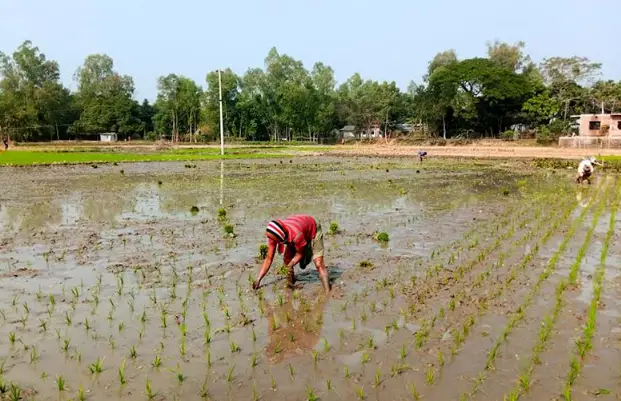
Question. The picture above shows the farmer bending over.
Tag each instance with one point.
(586, 169)
(302, 237)
(421, 155)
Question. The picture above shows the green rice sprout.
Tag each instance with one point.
(60, 383)
(149, 390)
(157, 362)
(234, 347)
(122, 378)
(97, 366)
(65, 345)
(230, 374)
(310, 394)
(291, 373)
(360, 393)
(430, 375)
(132, 352)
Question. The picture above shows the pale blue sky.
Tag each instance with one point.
(382, 40)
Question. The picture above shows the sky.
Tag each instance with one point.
(390, 40)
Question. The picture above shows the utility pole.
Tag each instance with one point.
(221, 117)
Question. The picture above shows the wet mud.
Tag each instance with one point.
(134, 281)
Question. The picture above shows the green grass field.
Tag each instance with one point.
(28, 158)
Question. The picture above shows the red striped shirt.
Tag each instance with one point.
(302, 229)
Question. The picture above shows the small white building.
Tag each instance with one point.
(108, 137)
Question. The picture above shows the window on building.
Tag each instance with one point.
(594, 125)
(618, 124)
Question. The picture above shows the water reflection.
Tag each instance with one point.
(252, 194)
(221, 182)
(294, 327)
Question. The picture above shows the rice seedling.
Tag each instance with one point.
(122, 378)
(65, 346)
(310, 394)
(179, 375)
(149, 390)
(413, 391)
(382, 237)
(15, 393)
(133, 353)
(231, 372)
(234, 347)
(315, 356)
(378, 377)
(81, 396)
(360, 393)
(157, 362)
(97, 366)
(430, 375)
(34, 357)
(403, 352)
(60, 383)
(291, 372)
(398, 368)
(12, 337)
(440, 359)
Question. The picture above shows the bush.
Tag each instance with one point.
(508, 135)
(543, 135)
(194, 210)
(604, 129)
(221, 214)
(151, 136)
(559, 128)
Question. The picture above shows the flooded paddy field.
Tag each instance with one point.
(497, 282)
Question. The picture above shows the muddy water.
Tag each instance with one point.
(112, 263)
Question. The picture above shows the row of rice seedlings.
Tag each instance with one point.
(431, 372)
(584, 345)
(462, 334)
(545, 330)
(491, 228)
(473, 243)
(520, 313)
(423, 333)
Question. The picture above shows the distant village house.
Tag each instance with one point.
(108, 137)
(595, 130)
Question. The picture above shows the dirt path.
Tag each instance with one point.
(474, 151)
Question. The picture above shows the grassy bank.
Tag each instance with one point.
(29, 158)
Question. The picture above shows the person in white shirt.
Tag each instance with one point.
(586, 169)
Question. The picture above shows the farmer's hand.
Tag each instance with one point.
(255, 285)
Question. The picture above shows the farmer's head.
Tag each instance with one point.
(276, 231)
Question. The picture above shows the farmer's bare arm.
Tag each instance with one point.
(267, 263)
(296, 259)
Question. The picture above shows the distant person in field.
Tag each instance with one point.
(5, 141)
(586, 169)
(300, 239)
(421, 155)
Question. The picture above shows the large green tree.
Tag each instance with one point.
(489, 95)
(105, 99)
(34, 105)
(178, 107)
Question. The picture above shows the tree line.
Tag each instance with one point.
(493, 96)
